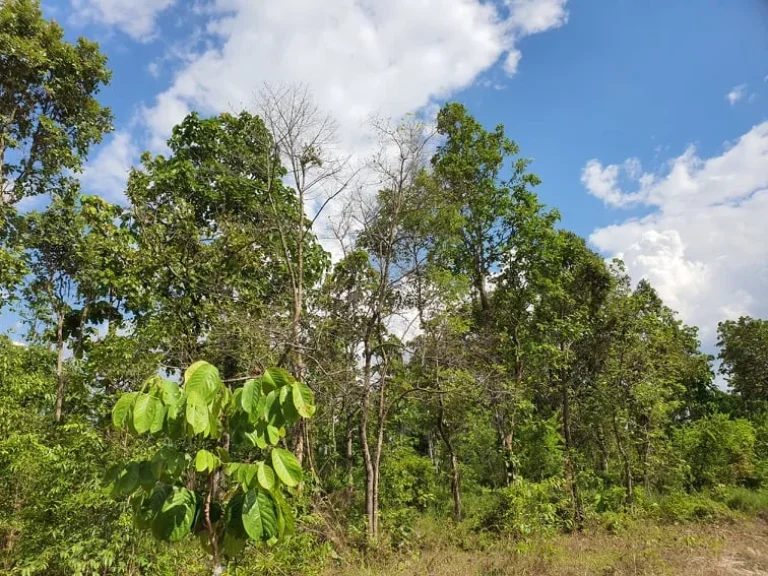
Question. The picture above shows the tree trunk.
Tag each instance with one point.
(380, 425)
(367, 460)
(216, 562)
(350, 456)
(604, 456)
(59, 364)
(628, 481)
(455, 473)
(578, 509)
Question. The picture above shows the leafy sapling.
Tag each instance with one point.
(219, 471)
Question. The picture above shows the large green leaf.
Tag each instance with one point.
(170, 391)
(277, 377)
(259, 515)
(273, 434)
(144, 411)
(287, 409)
(197, 413)
(147, 478)
(122, 410)
(175, 519)
(286, 523)
(167, 459)
(266, 476)
(251, 396)
(206, 461)
(157, 423)
(233, 516)
(272, 412)
(286, 467)
(203, 379)
(127, 480)
(303, 399)
(147, 508)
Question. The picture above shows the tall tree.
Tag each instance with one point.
(49, 115)
(744, 356)
(484, 183)
(207, 225)
(66, 246)
(305, 143)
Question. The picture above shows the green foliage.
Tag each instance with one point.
(53, 84)
(525, 509)
(176, 493)
(744, 356)
(540, 448)
(409, 480)
(717, 450)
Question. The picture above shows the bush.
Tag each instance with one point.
(540, 449)
(718, 450)
(525, 509)
(742, 499)
(407, 480)
(684, 507)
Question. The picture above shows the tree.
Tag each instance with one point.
(210, 253)
(744, 356)
(469, 167)
(49, 115)
(573, 290)
(72, 249)
(304, 141)
(207, 491)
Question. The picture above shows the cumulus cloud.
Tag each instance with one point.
(603, 181)
(512, 61)
(737, 93)
(388, 57)
(107, 172)
(533, 16)
(704, 245)
(134, 17)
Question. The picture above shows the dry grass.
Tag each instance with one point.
(737, 548)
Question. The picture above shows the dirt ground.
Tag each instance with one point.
(737, 548)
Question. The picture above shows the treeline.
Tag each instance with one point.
(469, 358)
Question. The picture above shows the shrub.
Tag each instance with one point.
(718, 450)
(526, 509)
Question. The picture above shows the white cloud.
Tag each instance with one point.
(704, 246)
(358, 57)
(603, 182)
(511, 61)
(737, 93)
(134, 17)
(533, 16)
(107, 172)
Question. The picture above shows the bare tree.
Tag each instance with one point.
(381, 218)
(305, 141)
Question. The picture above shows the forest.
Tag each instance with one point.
(272, 358)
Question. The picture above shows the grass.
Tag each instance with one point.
(736, 547)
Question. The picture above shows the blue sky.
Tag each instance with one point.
(623, 104)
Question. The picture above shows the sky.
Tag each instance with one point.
(647, 120)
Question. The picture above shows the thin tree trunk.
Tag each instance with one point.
(604, 457)
(380, 424)
(216, 563)
(455, 473)
(59, 364)
(350, 456)
(578, 510)
(628, 481)
(367, 460)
